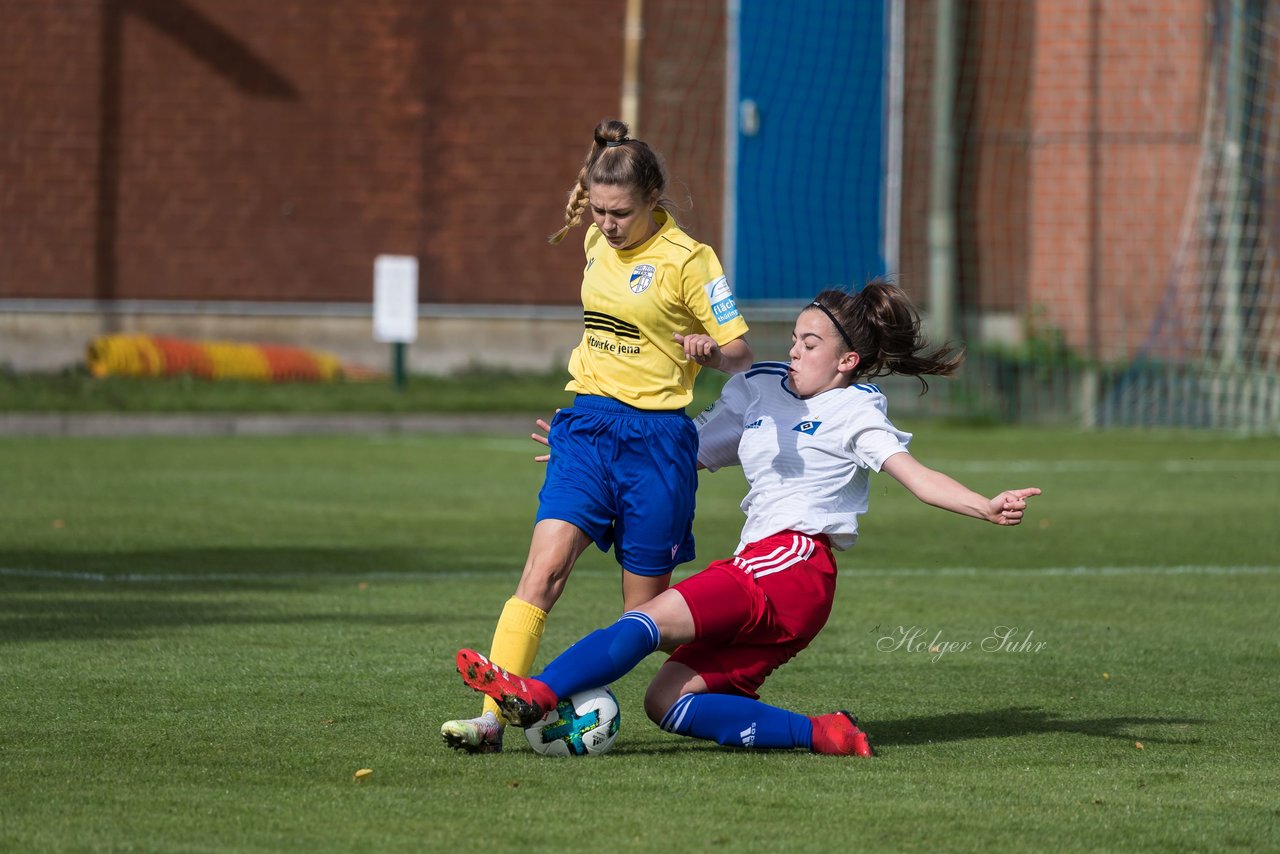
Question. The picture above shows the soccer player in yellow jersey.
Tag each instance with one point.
(656, 308)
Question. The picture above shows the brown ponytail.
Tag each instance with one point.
(883, 327)
(614, 160)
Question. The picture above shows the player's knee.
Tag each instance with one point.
(655, 710)
(659, 699)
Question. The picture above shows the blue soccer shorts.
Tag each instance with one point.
(627, 478)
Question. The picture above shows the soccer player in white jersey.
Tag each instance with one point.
(807, 434)
(656, 309)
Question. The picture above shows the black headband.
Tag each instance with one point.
(835, 323)
(614, 143)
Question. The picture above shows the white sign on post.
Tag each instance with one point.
(395, 299)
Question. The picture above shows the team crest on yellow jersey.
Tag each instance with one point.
(642, 278)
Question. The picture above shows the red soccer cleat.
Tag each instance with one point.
(837, 734)
(524, 702)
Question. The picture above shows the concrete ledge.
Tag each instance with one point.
(34, 340)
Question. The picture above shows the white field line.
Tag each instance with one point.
(899, 572)
(1208, 466)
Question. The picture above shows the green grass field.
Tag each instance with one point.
(202, 640)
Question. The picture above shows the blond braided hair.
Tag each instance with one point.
(573, 210)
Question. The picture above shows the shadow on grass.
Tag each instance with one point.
(129, 595)
(288, 564)
(1013, 722)
(132, 616)
(964, 726)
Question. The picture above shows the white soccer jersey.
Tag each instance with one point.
(808, 462)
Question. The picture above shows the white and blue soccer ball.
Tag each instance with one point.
(584, 724)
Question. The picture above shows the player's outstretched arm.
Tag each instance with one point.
(736, 356)
(940, 490)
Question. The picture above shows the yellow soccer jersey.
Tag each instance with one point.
(632, 302)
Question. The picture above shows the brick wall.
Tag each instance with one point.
(682, 110)
(1069, 202)
(234, 149)
(48, 147)
(1116, 138)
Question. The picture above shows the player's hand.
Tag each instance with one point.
(543, 438)
(702, 349)
(1007, 507)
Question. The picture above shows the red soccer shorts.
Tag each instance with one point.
(757, 610)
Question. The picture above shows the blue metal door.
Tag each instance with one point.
(806, 196)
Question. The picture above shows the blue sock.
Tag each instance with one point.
(603, 656)
(738, 722)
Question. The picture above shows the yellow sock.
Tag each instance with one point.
(516, 640)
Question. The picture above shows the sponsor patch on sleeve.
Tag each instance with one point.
(723, 306)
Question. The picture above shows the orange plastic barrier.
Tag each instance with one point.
(160, 356)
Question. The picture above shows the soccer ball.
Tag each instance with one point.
(585, 724)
